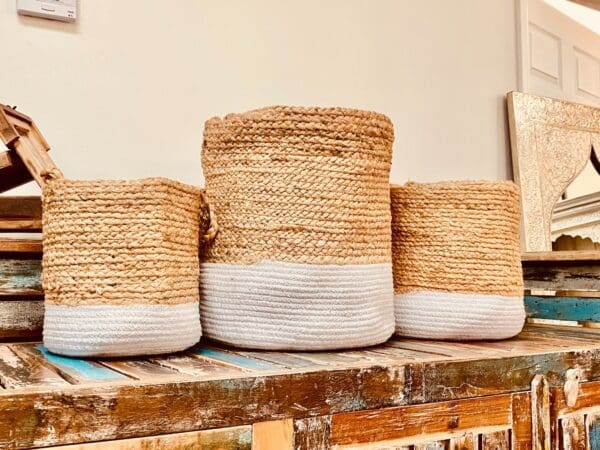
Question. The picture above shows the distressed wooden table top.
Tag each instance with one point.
(50, 400)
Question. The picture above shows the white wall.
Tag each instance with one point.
(125, 91)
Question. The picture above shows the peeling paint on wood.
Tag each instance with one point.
(540, 413)
(18, 371)
(312, 433)
(233, 359)
(407, 421)
(75, 370)
(521, 421)
(560, 276)
(21, 319)
(499, 440)
(236, 438)
(563, 308)
(118, 411)
(20, 274)
(573, 433)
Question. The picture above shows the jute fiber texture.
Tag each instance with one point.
(456, 259)
(302, 199)
(120, 259)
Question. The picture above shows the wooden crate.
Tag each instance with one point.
(21, 296)
(563, 286)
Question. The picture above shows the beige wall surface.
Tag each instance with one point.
(124, 92)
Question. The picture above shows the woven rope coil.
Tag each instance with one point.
(302, 259)
(457, 237)
(303, 185)
(112, 242)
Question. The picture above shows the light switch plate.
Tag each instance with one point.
(63, 10)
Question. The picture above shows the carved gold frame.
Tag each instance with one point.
(551, 140)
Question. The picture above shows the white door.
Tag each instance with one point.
(559, 57)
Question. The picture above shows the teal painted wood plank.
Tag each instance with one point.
(563, 308)
(20, 274)
(73, 369)
(594, 432)
(86, 370)
(236, 360)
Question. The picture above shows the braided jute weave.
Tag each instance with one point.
(121, 266)
(456, 254)
(303, 256)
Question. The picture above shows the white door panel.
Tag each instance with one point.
(559, 57)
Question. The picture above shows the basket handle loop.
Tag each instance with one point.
(213, 227)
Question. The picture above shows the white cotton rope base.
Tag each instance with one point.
(107, 330)
(455, 316)
(287, 306)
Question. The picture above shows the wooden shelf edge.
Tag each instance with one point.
(561, 256)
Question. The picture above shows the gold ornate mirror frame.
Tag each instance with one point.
(551, 141)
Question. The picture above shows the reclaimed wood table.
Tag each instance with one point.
(538, 390)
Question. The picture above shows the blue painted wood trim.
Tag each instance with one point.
(563, 308)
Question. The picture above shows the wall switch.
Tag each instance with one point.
(63, 10)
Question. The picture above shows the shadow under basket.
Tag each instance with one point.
(120, 266)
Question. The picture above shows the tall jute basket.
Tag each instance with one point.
(457, 267)
(303, 256)
(121, 266)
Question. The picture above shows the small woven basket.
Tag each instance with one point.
(457, 266)
(121, 266)
(303, 256)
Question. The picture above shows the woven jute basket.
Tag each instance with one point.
(457, 267)
(303, 256)
(121, 266)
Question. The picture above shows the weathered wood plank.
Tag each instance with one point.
(20, 213)
(584, 277)
(76, 371)
(406, 421)
(521, 421)
(21, 273)
(21, 318)
(498, 440)
(592, 422)
(13, 245)
(435, 445)
(588, 396)
(119, 411)
(463, 442)
(529, 258)
(235, 438)
(448, 380)
(573, 433)
(199, 368)
(312, 433)
(273, 435)
(23, 371)
(141, 369)
(281, 359)
(235, 360)
(540, 413)
(564, 308)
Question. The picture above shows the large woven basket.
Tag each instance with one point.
(121, 266)
(457, 267)
(303, 256)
